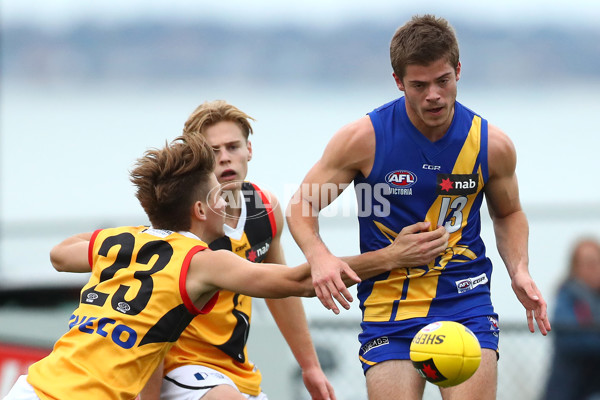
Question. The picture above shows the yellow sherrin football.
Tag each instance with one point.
(445, 353)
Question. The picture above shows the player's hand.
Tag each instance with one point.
(317, 384)
(415, 245)
(531, 298)
(326, 274)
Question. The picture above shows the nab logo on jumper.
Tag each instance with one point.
(457, 184)
(258, 252)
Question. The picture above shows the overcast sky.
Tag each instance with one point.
(60, 13)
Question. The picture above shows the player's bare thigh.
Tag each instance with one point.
(482, 385)
(223, 392)
(394, 379)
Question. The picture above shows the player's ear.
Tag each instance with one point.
(249, 147)
(458, 71)
(199, 211)
(398, 81)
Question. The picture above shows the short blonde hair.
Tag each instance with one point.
(212, 112)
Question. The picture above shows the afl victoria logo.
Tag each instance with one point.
(401, 178)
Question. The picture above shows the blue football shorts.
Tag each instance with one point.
(383, 341)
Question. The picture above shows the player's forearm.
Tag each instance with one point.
(273, 281)
(512, 235)
(277, 281)
(369, 264)
(252, 279)
(366, 265)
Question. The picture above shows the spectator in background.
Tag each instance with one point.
(576, 361)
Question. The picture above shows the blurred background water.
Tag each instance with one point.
(86, 88)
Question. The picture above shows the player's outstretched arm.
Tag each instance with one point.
(511, 227)
(414, 246)
(71, 255)
(215, 270)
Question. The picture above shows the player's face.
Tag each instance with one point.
(232, 152)
(430, 93)
(215, 214)
(588, 265)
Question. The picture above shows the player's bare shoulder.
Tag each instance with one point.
(206, 264)
(205, 271)
(356, 135)
(214, 258)
(502, 156)
(354, 145)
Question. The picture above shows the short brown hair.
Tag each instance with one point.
(421, 41)
(575, 259)
(171, 179)
(212, 112)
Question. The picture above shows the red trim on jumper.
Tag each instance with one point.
(269, 209)
(189, 304)
(91, 247)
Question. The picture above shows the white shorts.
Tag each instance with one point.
(22, 390)
(192, 382)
